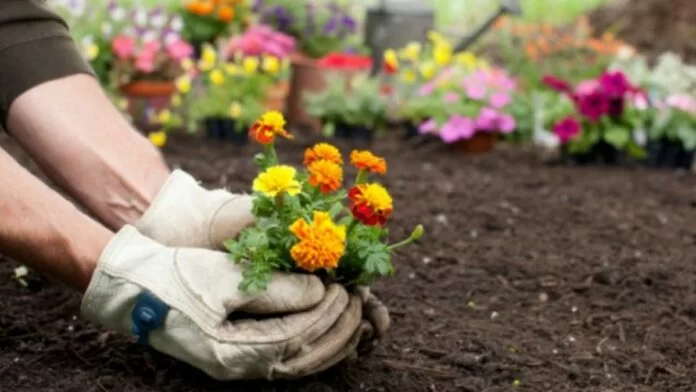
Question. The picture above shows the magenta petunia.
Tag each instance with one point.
(567, 129)
(556, 84)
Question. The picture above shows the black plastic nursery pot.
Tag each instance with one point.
(601, 153)
(411, 129)
(353, 132)
(219, 128)
(665, 153)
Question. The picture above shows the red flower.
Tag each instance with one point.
(370, 204)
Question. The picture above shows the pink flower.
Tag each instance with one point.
(500, 100)
(428, 126)
(145, 62)
(639, 100)
(587, 87)
(426, 89)
(476, 91)
(506, 123)
(452, 97)
(556, 84)
(179, 50)
(487, 119)
(682, 102)
(123, 47)
(567, 129)
(457, 128)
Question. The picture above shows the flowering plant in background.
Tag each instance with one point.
(207, 20)
(320, 27)
(674, 119)
(312, 220)
(608, 110)
(272, 48)
(457, 108)
(669, 76)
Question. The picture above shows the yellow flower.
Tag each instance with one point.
(183, 84)
(409, 76)
(436, 37)
(92, 52)
(321, 242)
(411, 51)
(483, 64)
(187, 64)
(122, 103)
(371, 204)
(325, 175)
(217, 77)
(176, 101)
(467, 60)
(164, 116)
(250, 64)
(208, 58)
(391, 61)
(277, 180)
(428, 70)
(271, 124)
(159, 138)
(442, 54)
(232, 69)
(271, 64)
(235, 110)
(365, 160)
(322, 151)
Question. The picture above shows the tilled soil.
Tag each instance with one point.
(532, 277)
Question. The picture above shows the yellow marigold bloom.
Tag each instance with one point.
(270, 64)
(391, 61)
(208, 58)
(235, 110)
(365, 160)
(270, 124)
(321, 242)
(467, 60)
(371, 204)
(322, 151)
(92, 51)
(250, 65)
(183, 84)
(325, 175)
(159, 139)
(277, 180)
(409, 76)
(187, 64)
(217, 77)
(176, 100)
(232, 69)
(428, 70)
(122, 103)
(442, 54)
(436, 37)
(411, 51)
(164, 116)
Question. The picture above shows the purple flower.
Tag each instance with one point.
(349, 23)
(457, 128)
(567, 129)
(428, 126)
(556, 84)
(614, 84)
(331, 26)
(500, 100)
(593, 105)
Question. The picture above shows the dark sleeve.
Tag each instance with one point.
(35, 47)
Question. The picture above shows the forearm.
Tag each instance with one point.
(73, 131)
(44, 231)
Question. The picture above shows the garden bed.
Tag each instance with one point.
(563, 278)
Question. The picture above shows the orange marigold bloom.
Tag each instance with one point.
(268, 126)
(226, 13)
(371, 204)
(365, 160)
(325, 175)
(321, 242)
(322, 151)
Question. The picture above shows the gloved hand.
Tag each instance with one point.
(186, 214)
(177, 300)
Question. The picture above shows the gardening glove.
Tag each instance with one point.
(177, 300)
(185, 214)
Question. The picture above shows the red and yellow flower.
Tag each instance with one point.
(321, 242)
(326, 175)
(371, 204)
(365, 160)
(391, 61)
(270, 125)
(322, 151)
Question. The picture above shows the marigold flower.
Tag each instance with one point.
(270, 124)
(321, 242)
(159, 138)
(235, 110)
(226, 13)
(365, 160)
(325, 175)
(391, 61)
(322, 151)
(277, 180)
(371, 204)
(183, 84)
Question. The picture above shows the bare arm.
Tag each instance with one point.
(73, 131)
(43, 230)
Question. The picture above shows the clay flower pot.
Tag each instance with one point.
(481, 142)
(277, 96)
(147, 94)
(149, 88)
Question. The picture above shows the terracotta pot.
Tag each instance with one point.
(149, 88)
(277, 96)
(481, 142)
(147, 94)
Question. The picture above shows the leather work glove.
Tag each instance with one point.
(185, 214)
(177, 300)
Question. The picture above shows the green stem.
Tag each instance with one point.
(351, 225)
(361, 177)
(280, 201)
(271, 154)
(400, 244)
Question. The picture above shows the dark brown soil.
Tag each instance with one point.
(564, 278)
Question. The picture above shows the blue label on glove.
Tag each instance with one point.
(148, 314)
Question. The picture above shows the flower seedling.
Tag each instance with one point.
(306, 221)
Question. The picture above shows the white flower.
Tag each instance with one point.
(140, 18)
(149, 35)
(177, 23)
(107, 29)
(118, 14)
(158, 20)
(171, 37)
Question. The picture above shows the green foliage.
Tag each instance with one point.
(673, 124)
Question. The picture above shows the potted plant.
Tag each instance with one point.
(349, 109)
(469, 111)
(206, 20)
(672, 133)
(602, 120)
(273, 48)
(233, 94)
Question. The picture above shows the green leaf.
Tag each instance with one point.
(262, 206)
(687, 136)
(617, 137)
(635, 151)
(335, 209)
(345, 221)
